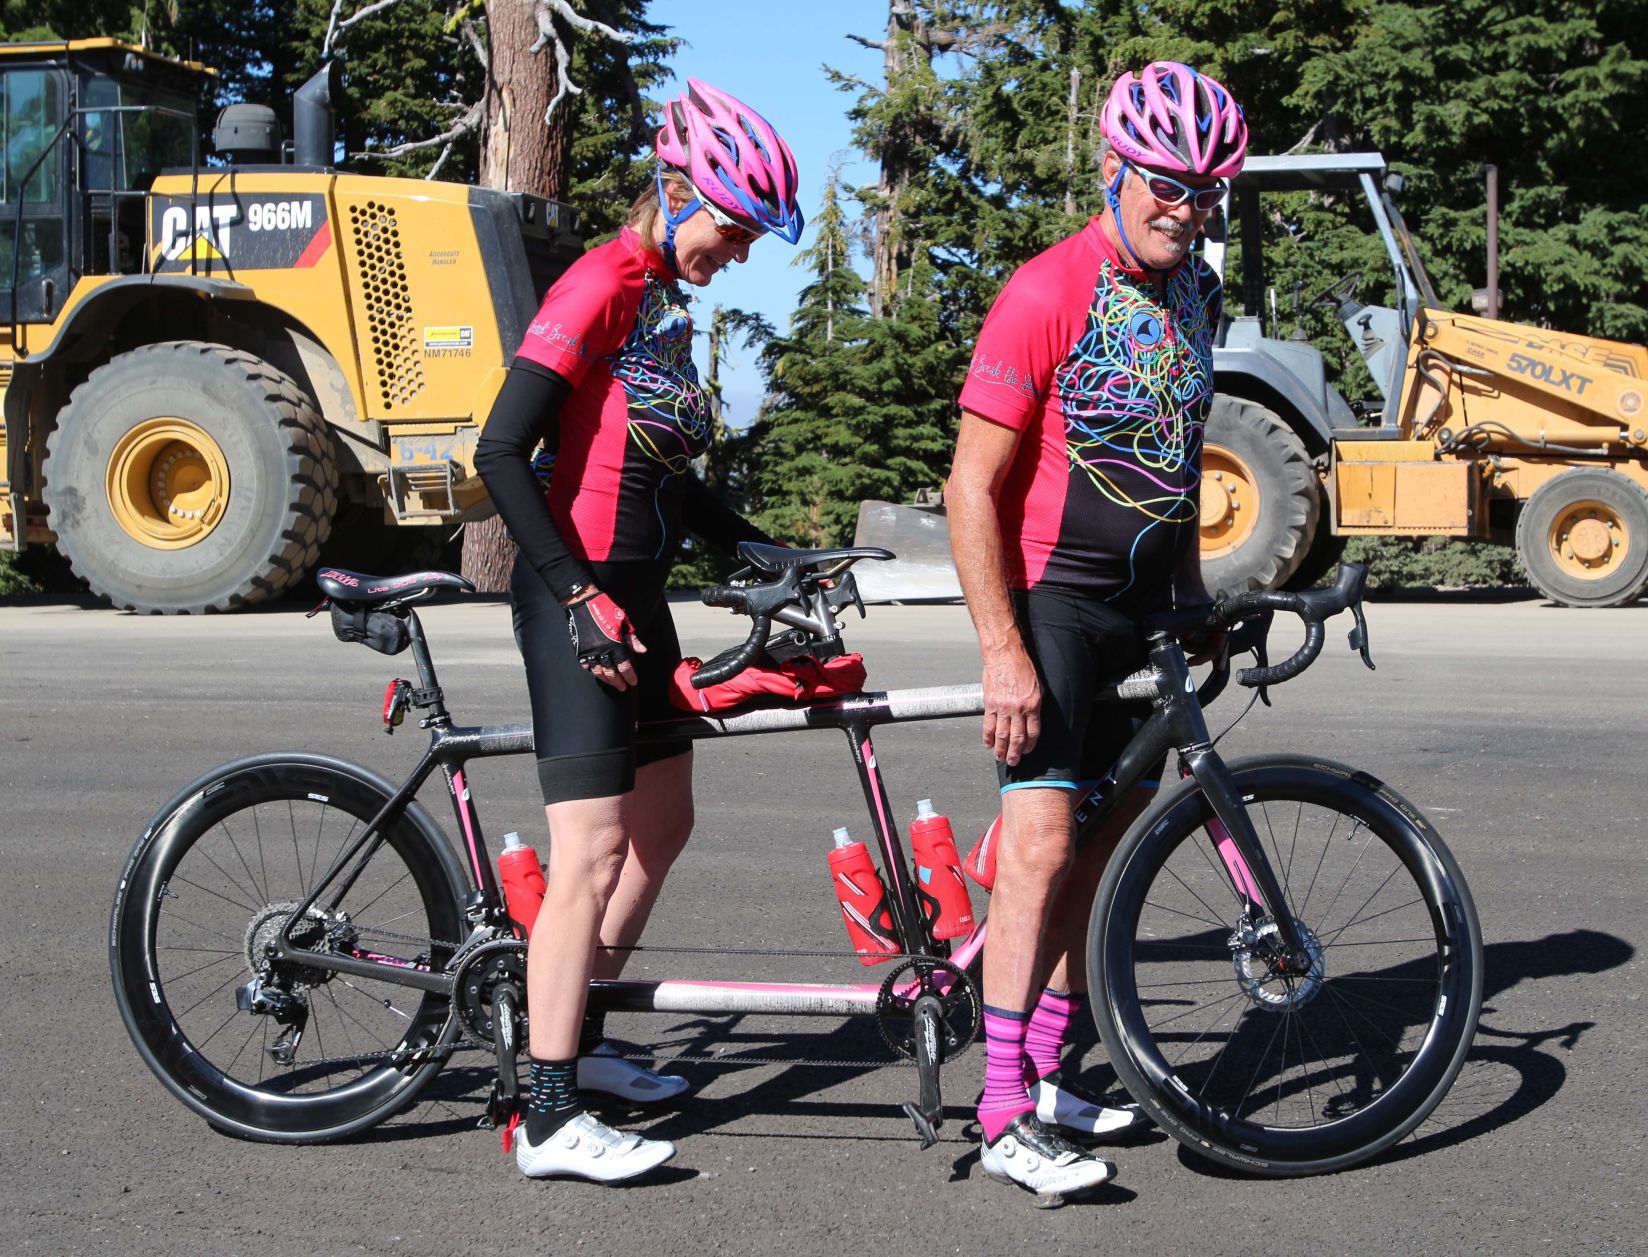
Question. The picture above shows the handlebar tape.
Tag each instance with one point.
(729, 663)
(1290, 667)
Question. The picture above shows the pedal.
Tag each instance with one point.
(926, 1130)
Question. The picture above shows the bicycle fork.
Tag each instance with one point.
(1235, 840)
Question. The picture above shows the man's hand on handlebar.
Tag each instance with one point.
(604, 639)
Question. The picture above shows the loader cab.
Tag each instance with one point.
(1380, 333)
(84, 128)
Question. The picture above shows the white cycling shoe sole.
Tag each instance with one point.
(607, 1072)
(585, 1147)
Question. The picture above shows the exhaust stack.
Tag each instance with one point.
(313, 129)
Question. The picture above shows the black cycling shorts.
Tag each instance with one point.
(1077, 643)
(583, 729)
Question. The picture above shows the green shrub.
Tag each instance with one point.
(1396, 563)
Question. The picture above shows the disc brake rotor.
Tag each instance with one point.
(1254, 952)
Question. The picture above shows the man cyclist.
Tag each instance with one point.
(1073, 504)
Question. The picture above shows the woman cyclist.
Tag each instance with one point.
(604, 382)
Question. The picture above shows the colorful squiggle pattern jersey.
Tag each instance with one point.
(1110, 385)
(616, 328)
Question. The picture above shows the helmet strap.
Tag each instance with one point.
(673, 220)
(1112, 198)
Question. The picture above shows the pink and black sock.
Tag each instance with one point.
(1004, 1094)
(1049, 1030)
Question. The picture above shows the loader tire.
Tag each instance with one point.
(1583, 538)
(1260, 499)
(190, 477)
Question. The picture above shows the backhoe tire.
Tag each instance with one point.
(1324, 552)
(1583, 538)
(1260, 498)
(190, 477)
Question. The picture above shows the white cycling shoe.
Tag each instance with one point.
(585, 1147)
(1042, 1161)
(605, 1071)
(1063, 1103)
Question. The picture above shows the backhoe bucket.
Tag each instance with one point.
(920, 537)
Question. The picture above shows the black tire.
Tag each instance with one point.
(1608, 567)
(1324, 553)
(1260, 498)
(1268, 1075)
(222, 855)
(190, 477)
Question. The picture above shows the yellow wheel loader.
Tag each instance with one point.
(215, 366)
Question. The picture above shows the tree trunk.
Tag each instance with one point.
(519, 154)
(908, 39)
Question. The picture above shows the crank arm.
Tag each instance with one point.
(928, 1114)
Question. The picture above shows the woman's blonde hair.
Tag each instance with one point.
(644, 213)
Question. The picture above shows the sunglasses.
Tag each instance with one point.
(728, 230)
(1170, 192)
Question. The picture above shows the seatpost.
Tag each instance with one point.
(429, 688)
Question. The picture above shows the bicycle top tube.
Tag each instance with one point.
(873, 707)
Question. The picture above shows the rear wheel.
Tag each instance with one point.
(1583, 538)
(1242, 1063)
(1260, 498)
(266, 1048)
(190, 477)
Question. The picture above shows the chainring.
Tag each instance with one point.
(479, 975)
(961, 1011)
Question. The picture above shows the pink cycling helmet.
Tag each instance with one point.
(734, 160)
(1172, 118)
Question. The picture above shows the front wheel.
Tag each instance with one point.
(265, 1048)
(1242, 1063)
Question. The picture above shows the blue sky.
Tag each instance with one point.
(776, 66)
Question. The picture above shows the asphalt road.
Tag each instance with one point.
(1517, 727)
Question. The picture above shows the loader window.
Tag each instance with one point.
(33, 214)
(33, 112)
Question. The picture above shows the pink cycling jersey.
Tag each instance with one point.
(616, 328)
(1110, 385)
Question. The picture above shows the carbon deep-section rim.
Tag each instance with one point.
(1259, 1071)
(221, 867)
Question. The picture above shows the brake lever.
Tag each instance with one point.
(1358, 636)
(844, 593)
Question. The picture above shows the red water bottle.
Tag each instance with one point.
(938, 874)
(863, 900)
(523, 882)
(981, 860)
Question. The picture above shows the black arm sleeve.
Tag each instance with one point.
(713, 520)
(528, 411)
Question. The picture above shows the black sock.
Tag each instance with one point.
(593, 1033)
(554, 1097)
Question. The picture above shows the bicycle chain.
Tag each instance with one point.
(465, 1043)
